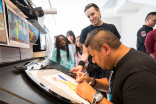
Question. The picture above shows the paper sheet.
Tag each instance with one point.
(65, 83)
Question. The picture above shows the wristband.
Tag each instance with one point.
(94, 82)
(82, 63)
(83, 60)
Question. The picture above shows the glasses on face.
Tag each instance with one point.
(90, 5)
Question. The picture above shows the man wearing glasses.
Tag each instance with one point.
(133, 79)
(150, 22)
(92, 12)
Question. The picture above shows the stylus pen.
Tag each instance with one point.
(82, 76)
(90, 83)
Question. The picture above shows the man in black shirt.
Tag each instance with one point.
(133, 79)
(92, 11)
(150, 22)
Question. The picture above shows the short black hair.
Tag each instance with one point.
(150, 15)
(100, 36)
(91, 5)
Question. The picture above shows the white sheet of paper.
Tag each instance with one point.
(63, 82)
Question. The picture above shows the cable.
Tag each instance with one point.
(32, 3)
(37, 10)
(32, 8)
(23, 7)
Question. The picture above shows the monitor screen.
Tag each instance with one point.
(3, 36)
(42, 41)
(33, 34)
(18, 30)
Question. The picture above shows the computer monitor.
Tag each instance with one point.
(43, 41)
(33, 33)
(18, 30)
(3, 32)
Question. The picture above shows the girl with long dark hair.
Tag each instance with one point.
(61, 53)
(72, 43)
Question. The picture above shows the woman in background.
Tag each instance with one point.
(72, 43)
(61, 54)
(78, 54)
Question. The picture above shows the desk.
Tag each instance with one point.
(20, 86)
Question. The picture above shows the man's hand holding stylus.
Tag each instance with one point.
(85, 78)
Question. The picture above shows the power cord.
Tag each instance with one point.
(23, 7)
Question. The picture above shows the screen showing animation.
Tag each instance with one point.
(3, 39)
(18, 29)
(33, 34)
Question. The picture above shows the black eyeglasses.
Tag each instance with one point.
(90, 5)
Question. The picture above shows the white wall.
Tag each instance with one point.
(114, 20)
(72, 17)
(130, 24)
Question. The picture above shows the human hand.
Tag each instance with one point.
(69, 39)
(76, 69)
(85, 78)
(85, 91)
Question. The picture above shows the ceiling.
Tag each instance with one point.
(122, 7)
(108, 7)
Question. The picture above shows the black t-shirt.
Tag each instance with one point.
(134, 80)
(85, 31)
(141, 36)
